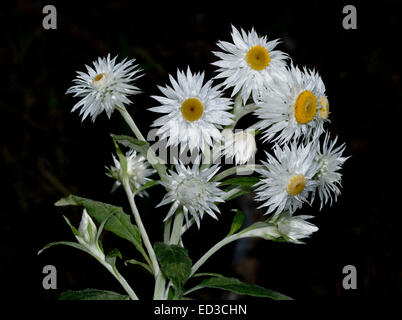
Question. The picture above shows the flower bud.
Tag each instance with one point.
(87, 229)
(269, 232)
(294, 228)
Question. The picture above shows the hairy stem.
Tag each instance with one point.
(236, 169)
(120, 278)
(157, 163)
(177, 226)
(211, 251)
(141, 227)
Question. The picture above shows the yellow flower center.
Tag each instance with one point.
(324, 111)
(296, 185)
(192, 109)
(258, 58)
(98, 77)
(305, 107)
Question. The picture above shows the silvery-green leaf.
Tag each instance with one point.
(65, 243)
(136, 262)
(92, 294)
(238, 287)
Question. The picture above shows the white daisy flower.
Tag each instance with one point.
(240, 145)
(287, 179)
(249, 63)
(294, 228)
(192, 190)
(322, 99)
(293, 108)
(194, 112)
(105, 86)
(138, 171)
(330, 160)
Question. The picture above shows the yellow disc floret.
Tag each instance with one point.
(98, 77)
(305, 107)
(296, 185)
(324, 111)
(192, 109)
(258, 58)
(99, 81)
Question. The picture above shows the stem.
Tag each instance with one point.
(156, 162)
(166, 230)
(159, 291)
(177, 225)
(246, 110)
(230, 193)
(211, 251)
(160, 282)
(141, 228)
(238, 103)
(126, 116)
(120, 278)
(236, 169)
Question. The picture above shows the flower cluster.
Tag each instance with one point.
(291, 107)
(302, 163)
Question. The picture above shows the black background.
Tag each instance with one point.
(46, 152)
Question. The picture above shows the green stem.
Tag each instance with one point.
(211, 251)
(166, 230)
(234, 170)
(159, 290)
(113, 270)
(177, 226)
(238, 103)
(126, 116)
(156, 162)
(141, 227)
(160, 283)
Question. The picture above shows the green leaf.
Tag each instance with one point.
(175, 264)
(92, 294)
(147, 185)
(206, 274)
(237, 222)
(139, 263)
(141, 147)
(237, 194)
(236, 286)
(65, 243)
(240, 181)
(127, 141)
(122, 158)
(112, 255)
(118, 222)
(73, 229)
